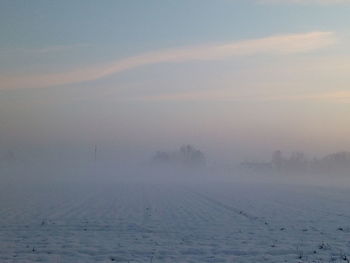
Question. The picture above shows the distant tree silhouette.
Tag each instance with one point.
(191, 156)
(298, 163)
(277, 161)
(336, 162)
(187, 155)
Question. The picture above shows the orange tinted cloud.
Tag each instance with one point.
(274, 45)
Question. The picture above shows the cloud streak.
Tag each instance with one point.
(274, 45)
(227, 95)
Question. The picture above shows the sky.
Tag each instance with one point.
(237, 79)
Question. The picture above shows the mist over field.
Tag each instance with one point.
(174, 131)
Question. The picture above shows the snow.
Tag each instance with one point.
(174, 222)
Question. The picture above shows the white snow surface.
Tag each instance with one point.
(134, 221)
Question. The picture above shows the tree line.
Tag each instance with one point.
(299, 163)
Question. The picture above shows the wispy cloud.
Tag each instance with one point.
(274, 45)
(226, 95)
(340, 96)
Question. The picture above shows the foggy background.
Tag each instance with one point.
(139, 78)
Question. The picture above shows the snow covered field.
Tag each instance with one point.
(174, 222)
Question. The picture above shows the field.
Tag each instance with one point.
(174, 222)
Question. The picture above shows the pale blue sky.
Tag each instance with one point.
(233, 77)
